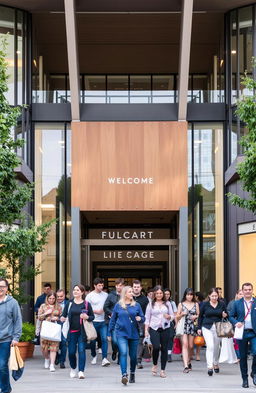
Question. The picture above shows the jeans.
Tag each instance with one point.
(114, 341)
(212, 346)
(123, 345)
(76, 339)
(160, 339)
(63, 349)
(102, 329)
(5, 349)
(249, 336)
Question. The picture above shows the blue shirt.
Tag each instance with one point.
(123, 321)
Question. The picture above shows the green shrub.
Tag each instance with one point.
(28, 332)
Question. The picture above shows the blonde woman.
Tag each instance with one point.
(124, 321)
(49, 311)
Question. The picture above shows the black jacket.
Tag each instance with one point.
(209, 315)
(142, 300)
(109, 304)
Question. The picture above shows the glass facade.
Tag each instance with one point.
(205, 149)
(53, 200)
(241, 49)
(14, 29)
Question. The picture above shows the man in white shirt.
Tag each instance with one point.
(97, 299)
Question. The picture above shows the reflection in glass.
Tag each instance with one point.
(7, 21)
(117, 89)
(206, 205)
(53, 200)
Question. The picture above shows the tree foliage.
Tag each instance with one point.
(246, 111)
(20, 238)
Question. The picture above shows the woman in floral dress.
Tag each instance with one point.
(49, 311)
(189, 310)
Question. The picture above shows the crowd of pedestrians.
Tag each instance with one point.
(132, 321)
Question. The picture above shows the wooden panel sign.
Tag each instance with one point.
(129, 165)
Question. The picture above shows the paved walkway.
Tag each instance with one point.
(107, 379)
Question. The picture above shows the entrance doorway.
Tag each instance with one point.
(149, 275)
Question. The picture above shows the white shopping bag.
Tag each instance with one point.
(239, 332)
(51, 331)
(227, 353)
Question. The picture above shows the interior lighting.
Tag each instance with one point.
(47, 206)
(18, 52)
(233, 52)
(221, 62)
(35, 63)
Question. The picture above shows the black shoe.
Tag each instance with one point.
(245, 383)
(253, 378)
(124, 379)
(190, 366)
(57, 360)
(210, 372)
(169, 358)
(139, 366)
(62, 365)
(132, 378)
(217, 370)
(114, 356)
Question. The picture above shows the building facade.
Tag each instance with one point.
(132, 139)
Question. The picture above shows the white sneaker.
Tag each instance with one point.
(46, 363)
(99, 350)
(52, 368)
(105, 362)
(94, 360)
(72, 373)
(80, 375)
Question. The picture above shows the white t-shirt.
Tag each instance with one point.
(97, 301)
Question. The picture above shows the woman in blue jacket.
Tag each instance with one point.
(124, 321)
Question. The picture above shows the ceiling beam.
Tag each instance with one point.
(185, 45)
(73, 65)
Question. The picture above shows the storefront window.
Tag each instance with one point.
(239, 58)
(247, 252)
(206, 205)
(53, 201)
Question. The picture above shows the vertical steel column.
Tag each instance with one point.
(185, 45)
(73, 65)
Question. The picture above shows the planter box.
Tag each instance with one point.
(26, 349)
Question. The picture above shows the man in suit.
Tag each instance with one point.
(243, 315)
(61, 357)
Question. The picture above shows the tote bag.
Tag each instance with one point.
(227, 353)
(224, 328)
(90, 330)
(51, 331)
(180, 327)
(65, 326)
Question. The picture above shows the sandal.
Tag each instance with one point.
(154, 370)
(186, 370)
(162, 374)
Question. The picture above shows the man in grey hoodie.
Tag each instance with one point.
(10, 332)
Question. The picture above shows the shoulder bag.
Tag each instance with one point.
(89, 329)
(224, 328)
(180, 326)
(65, 326)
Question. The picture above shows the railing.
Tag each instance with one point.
(206, 96)
(127, 96)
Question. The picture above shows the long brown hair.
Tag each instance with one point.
(51, 293)
(158, 288)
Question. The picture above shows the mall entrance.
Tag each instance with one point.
(148, 252)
